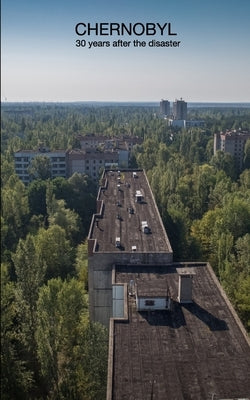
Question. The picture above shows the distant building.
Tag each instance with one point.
(180, 109)
(23, 159)
(165, 108)
(93, 141)
(178, 117)
(182, 123)
(90, 161)
(101, 142)
(232, 142)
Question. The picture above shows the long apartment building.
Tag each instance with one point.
(173, 333)
(126, 229)
(96, 153)
(23, 160)
(232, 142)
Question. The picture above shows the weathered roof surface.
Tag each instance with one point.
(196, 351)
(121, 215)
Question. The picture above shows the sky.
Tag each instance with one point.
(40, 60)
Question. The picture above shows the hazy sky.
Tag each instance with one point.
(40, 60)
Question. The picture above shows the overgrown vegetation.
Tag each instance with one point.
(50, 349)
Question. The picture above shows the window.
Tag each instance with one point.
(149, 303)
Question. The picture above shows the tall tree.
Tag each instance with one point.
(30, 271)
(37, 197)
(72, 352)
(246, 160)
(15, 210)
(55, 251)
(81, 263)
(16, 378)
(40, 167)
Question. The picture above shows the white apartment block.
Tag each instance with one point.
(23, 159)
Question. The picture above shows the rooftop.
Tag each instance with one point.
(234, 133)
(121, 211)
(39, 151)
(194, 351)
(91, 153)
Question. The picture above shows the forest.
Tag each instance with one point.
(50, 348)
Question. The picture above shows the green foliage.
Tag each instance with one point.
(246, 159)
(16, 379)
(69, 348)
(59, 215)
(30, 271)
(36, 192)
(40, 167)
(81, 263)
(55, 251)
(15, 211)
(79, 193)
(224, 162)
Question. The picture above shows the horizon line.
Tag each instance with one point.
(121, 101)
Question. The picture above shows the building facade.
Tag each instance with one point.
(23, 160)
(232, 142)
(165, 107)
(180, 110)
(97, 152)
(91, 161)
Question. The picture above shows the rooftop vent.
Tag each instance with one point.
(185, 285)
(118, 242)
(138, 196)
(144, 227)
(131, 288)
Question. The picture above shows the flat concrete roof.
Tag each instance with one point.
(195, 351)
(121, 216)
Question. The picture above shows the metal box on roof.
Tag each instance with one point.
(145, 227)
